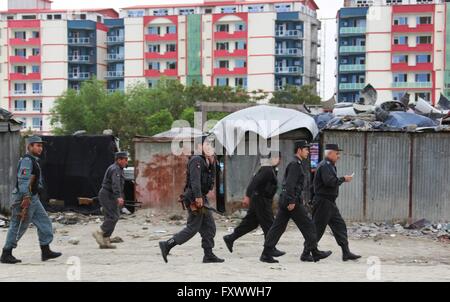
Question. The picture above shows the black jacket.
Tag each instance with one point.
(200, 178)
(264, 183)
(293, 182)
(326, 181)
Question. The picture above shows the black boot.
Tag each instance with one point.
(347, 255)
(47, 254)
(319, 255)
(229, 241)
(267, 257)
(306, 256)
(211, 258)
(8, 258)
(165, 247)
(277, 253)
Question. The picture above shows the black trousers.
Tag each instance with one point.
(111, 212)
(326, 212)
(198, 222)
(259, 214)
(300, 216)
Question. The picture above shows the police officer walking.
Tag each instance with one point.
(27, 207)
(200, 180)
(291, 206)
(259, 200)
(326, 191)
(111, 198)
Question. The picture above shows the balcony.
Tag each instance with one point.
(25, 60)
(115, 39)
(223, 35)
(352, 49)
(407, 67)
(157, 55)
(288, 69)
(157, 73)
(227, 71)
(25, 77)
(352, 68)
(294, 34)
(114, 74)
(420, 28)
(352, 31)
(80, 59)
(81, 76)
(115, 57)
(226, 53)
(417, 48)
(18, 92)
(352, 86)
(412, 85)
(85, 41)
(165, 37)
(289, 52)
(25, 42)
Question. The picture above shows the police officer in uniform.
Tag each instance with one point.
(291, 207)
(200, 180)
(259, 199)
(27, 207)
(111, 198)
(325, 210)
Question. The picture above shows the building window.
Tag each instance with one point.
(208, 10)
(240, 63)
(37, 105)
(222, 28)
(222, 82)
(135, 13)
(423, 95)
(424, 20)
(160, 12)
(228, 10)
(49, 17)
(36, 51)
(400, 59)
(424, 40)
(29, 17)
(240, 82)
(35, 69)
(255, 8)
(186, 11)
(280, 8)
(20, 105)
(171, 47)
(154, 48)
(20, 52)
(171, 65)
(401, 40)
(20, 88)
(35, 34)
(171, 29)
(20, 35)
(154, 66)
(224, 64)
(37, 123)
(37, 88)
(83, 16)
(58, 17)
(423, 77)
(423, 59)
(401, 21)
(154, 30)
(222, 46)
(152, 83)
(240, 45)
(400, 78)
(20, 69)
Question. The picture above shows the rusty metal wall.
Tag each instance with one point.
(351, 197)
(431, 175)
(398, 176)
(9, 157)
(160, 175)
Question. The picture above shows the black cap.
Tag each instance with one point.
(333, 147)
(300, 145)
(34, 140)
(120, 155)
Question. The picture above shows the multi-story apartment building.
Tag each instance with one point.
(44, 52)
(253, 44)
(396, 46)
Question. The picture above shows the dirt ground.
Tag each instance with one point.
(138, 257)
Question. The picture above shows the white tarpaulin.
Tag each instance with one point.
(266, 121)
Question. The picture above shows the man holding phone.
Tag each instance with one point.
(326, 191)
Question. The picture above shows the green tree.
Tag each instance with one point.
(296, 95)
(159, 122)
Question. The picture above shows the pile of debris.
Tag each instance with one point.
(71, 218)
(394, 115)
(421, 228)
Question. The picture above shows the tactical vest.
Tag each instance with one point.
(36, 170)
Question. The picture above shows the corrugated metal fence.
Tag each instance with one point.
(397, 175)
(9, 157)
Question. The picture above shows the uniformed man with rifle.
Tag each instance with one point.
(200, 180)
(27, 207)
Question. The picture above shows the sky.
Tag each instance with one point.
(328, 9)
